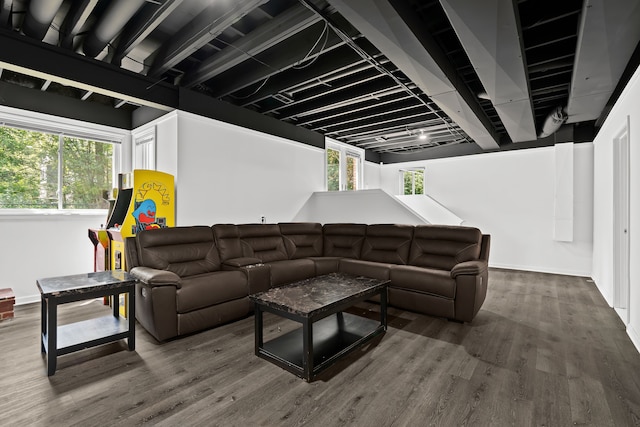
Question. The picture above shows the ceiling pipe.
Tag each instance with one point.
(39, 17)
(115, 17)
(554, 120)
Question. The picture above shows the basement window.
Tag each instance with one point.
(411, 181)
(45, 171)
(344, 167)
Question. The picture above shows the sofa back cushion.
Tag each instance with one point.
(387, 243)
(343, 240)
(262, 241)
(186, 251)
(302, 239)
(228, 241)
(442, 247)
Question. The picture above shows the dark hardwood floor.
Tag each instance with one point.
(545, 350)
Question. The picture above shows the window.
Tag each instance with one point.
(144, 155)
(333, 170)
(41, 170)
(412, 181)
(344, 167)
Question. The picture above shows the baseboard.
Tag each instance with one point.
(634, 336)
(27, 300)
(536, 269)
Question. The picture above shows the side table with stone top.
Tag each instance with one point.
(59, 340)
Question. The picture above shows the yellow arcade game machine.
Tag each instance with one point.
(145, 201)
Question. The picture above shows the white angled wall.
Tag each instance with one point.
(510, 195)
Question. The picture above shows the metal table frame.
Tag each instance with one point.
(282, 351)
(59, 340)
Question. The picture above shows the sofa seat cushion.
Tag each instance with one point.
(205, 290)
(375, 270)
(288, 271)
(427, 280)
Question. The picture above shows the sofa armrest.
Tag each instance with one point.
(258, 274)
(472, 268)
(235, 263)
(153, 277)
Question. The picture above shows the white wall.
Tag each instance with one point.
(39, 246)
(50, 243)
(626, 108)
(371, 175)
(510, 195)
(231, 174)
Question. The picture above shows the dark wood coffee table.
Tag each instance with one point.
(59, 340)
(327, 332)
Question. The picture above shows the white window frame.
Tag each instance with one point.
(144, 148)
(413, 185)
(345, 150)
(64, 127)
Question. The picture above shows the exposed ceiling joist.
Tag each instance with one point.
(292, 52)
(201, 30)
(74, 21)
(5, 13)
(607, 37)
(381, 24)
(27, 56)
(116, 16)
(488, 30)
(335, 60)
(142, 24)
(275, 31)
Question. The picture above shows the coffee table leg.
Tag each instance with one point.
(307, 349)
(258, 328)
(52, 335)
(383, 308)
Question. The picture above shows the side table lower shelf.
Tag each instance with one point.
(89, 333)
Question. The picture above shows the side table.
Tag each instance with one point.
(59, 340)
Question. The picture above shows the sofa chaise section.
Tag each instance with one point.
(446, 275)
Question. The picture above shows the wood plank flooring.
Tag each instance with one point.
(545, 350)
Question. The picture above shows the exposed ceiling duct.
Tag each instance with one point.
(488, 30)
(607, 36)
(552, 123)
(115, 17)
(375, 74)
(393, 33)
(39, 17)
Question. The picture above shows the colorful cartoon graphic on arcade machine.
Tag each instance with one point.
(145, 216)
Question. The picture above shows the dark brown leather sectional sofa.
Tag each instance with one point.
(195, 278)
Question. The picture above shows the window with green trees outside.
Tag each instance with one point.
(46, 171)
(413, 182)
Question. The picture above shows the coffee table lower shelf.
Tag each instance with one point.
(332, 337)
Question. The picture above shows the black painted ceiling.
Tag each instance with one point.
(390, 76)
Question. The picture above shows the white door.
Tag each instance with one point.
(621, 223)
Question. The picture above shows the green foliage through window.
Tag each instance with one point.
(333, 170)
(30, 170)
(413, 182)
